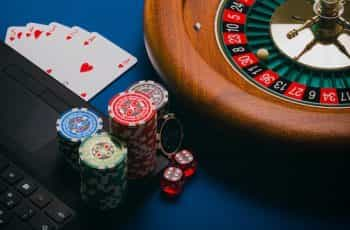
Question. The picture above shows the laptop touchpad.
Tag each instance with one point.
(25, 118)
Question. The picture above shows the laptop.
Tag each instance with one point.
(37, 189)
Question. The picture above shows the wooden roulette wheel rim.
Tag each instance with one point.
(191, 62)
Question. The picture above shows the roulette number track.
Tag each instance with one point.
(280, 68)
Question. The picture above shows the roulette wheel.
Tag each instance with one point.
(280, 68)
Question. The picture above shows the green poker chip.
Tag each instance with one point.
(101, 151)
(103, 170)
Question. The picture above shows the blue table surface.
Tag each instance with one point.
(207, 202)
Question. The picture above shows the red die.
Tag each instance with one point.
(172, 181)
(185, 160)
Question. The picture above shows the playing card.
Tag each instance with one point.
(84, 62)
(32, 43)
(52, 52)
(96, 65)
(81, 30)
(36, 35)
(14, 38)
(64, 47)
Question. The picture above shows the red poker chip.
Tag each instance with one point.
(136, 153)
(144, 132)
(134, 163)
(131, 109)
(141, 163)
(139, 151)
(135, 174)
(142, 148)
(140, 159)
(137, 158)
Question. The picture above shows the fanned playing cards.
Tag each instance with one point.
(84, 62)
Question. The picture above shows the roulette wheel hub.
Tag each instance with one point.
(313, 31)
(224, 57)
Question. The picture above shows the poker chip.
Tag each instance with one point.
(170, 135)
(131, 109)
(156, 92)
(73, 127)
(77, 124)
(103, 171)
(99, 152)
(133, 118)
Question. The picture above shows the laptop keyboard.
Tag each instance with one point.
(26, 205)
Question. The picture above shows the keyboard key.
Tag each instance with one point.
(3, 187)
(10, 199)
(25, 211)
(17, 224)
(42, 222)
(41, 198)
(25, 205)
(3, 163)
(12, 175)
(58, 212)
(5, 217)
(26, 187)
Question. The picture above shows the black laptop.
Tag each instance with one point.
(37, 190)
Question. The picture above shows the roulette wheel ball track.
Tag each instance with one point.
(182, 40)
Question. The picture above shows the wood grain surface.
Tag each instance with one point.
(192, 64)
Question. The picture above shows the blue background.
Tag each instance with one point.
(209, 201)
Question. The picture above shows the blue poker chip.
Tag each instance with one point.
(78, 124)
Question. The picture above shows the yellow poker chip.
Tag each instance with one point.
(102, 151)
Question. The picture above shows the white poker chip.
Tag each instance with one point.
(101, 151)
(157, 93)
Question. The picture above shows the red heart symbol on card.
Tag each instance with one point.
(48, 34)
(12, 39)
(19, 35)
(120, 66)
(37, 34)
(28, 34)
(126, 61)
(86, 67)
(83, 95)
(49, 71)
(86, 43)
(68, 37)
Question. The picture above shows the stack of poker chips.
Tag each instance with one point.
(134, 119)
(103, 170)
(170, 131)
(157, 93)
(73, 127)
